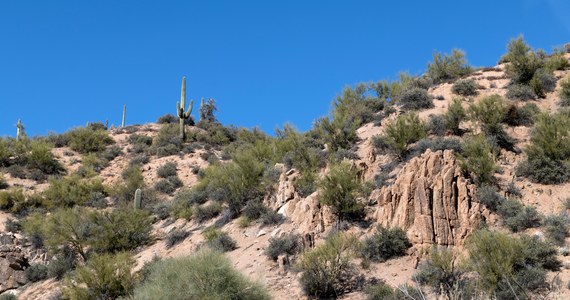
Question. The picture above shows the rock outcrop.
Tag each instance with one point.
(431, 200)
(13, 262)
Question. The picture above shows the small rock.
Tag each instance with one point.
(260, 233)
(275, 232)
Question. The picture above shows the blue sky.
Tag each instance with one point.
(65, 63)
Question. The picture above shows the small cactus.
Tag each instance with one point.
(183, 116)
(138, 201)
(124, 114)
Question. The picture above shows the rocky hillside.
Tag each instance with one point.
(403, 183)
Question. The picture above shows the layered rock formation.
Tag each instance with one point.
(12, 264)
(431, 200)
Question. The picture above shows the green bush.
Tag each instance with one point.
(87, 140)
(71, 190)
(557, 61)
(11, 199)
(339, 190)
(557, 228)
(436, 125)
(286, 244)
(448, 67)
(167, 119)
(134, 224)
(41, 158)
(477, 159)
(454, 115)
(167, 141)
(202, 213)
(415, 99)
(271, 217)
(36, 272)
(176, 236)
(543, 82)
(441, 274)
(63, 263)
(521, 92)
(406, 129)
(167, 170)
(465, 88)
(8, 296)
(489, 112)
(489, 196)
(523, 116)
(218, 240)
(132, 180)
(523, 62)
(436, 144)
(564, 93)
(106, 276)
(327, 269)
(385, 244)
(204, 275)
(548, 155)
(527, 217)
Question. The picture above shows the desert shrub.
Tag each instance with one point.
(218, 240)
(381, 291)
(489, 196)
(203, 213)
(8, 296)
(465, 88)
(385, 244)
(254, 209)
(167, 170)
(3, 182)
(441, 274)
(415, 99)
(176, 236)
(448, 67)
(11, 199)
(327, 269)
(271, 217)
(527, 217)
(132, 180)
(287, 244)
(405, 130)
(87, 140)
(436, 144)
(71, 190)
(436, 125)
(36, 272)
(64, 262)
(477, 159)
(549, 152)
(556, 61)
(105, 276)
(564, 93)
(167, 119)
(523, 62)
(12, 225)
(523, 116)
(135, 228)
(489, 111)
(167, 141)
(183, 278)
(164, 186)
(41, 158)
(340, 188)
(542, 82)
(503, 262)
(454, 115)
(557, 228)
(521, 92)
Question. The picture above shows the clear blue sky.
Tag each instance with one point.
(64, 63)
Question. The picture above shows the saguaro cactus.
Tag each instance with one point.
(124, 114)
(138, 201)
(19, 130)
(183, 116)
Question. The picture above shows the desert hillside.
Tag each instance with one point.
(454, 184)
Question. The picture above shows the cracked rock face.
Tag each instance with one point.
(431, 200)
(12, 264)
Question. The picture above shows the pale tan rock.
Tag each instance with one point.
(431, 200)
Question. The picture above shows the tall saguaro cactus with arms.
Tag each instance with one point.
(183, 116)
